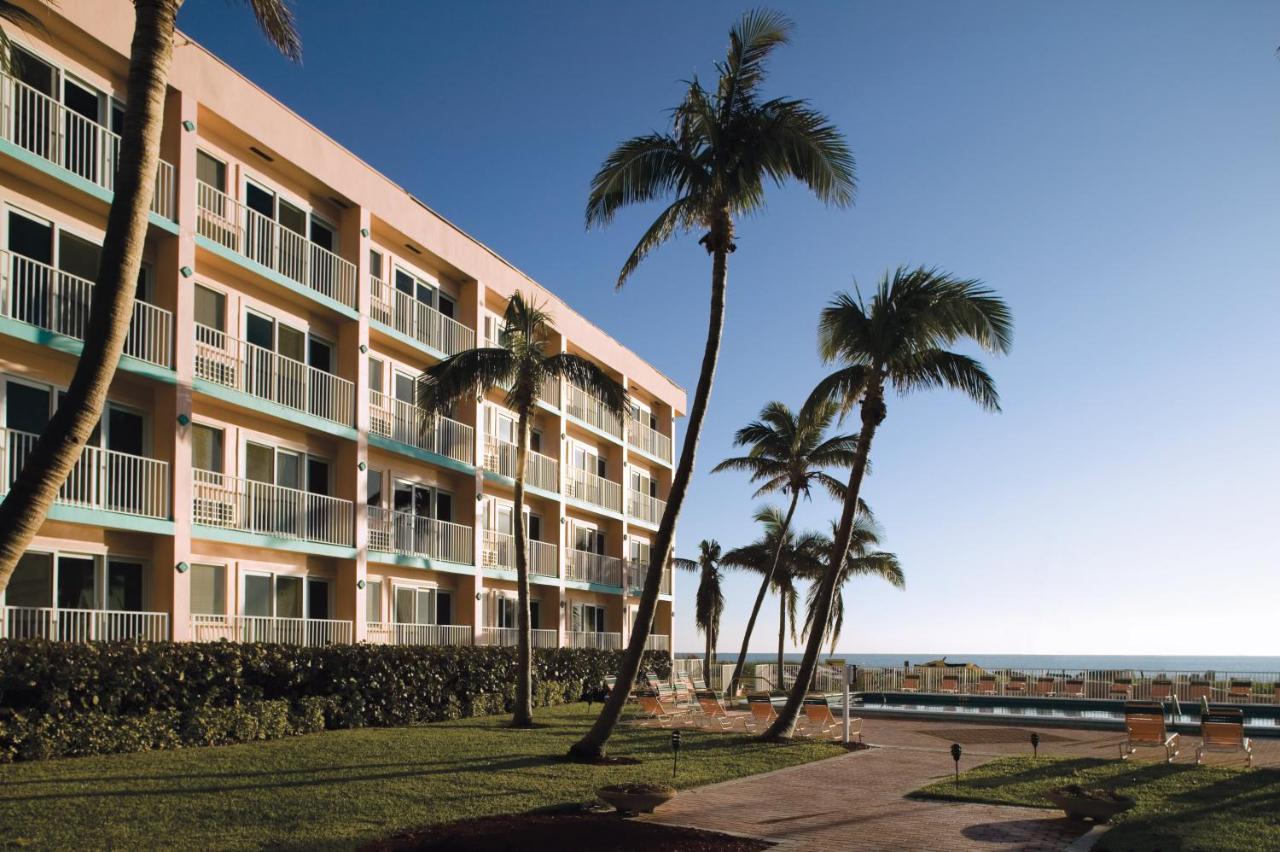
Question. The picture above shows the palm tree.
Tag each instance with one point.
(59, 447)
(709, 603)
(859, 561)
(713, 164)
(521, 363)
(13, 14)
(897, 340)
(788, 454)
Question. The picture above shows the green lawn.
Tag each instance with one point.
(1179, 807)
(339, 788)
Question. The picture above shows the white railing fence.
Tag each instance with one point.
(636, 572)
(644, 508)
(500, 552)
(585, 407)
(658, 642)
(588, 567)
(591, 639)
(82, 625)
(596, 490)
(405, 422)
(645, 438)
(539, 471)
(509, 637)
(421, 322)
(393, 633)
(259, 628)
(242, 504)
(415, 535)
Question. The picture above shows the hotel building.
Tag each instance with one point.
(261, 472)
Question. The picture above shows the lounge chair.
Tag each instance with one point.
(1144, 728)
(762, 711)
(1240, 690)
(986, 685)
(1222, 729)
(1046, 685)
(1016, 685)
(667, 715)
(1199, 689)
(911, 683)
(1277, 693)
(1121, 687)
(715, 713)
(950, 683)
(1073, 687)
(675, 697)
(819, 720)
(1161, 689)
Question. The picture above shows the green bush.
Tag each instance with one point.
(61, 699)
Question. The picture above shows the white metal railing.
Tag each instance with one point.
(102, 479)
(826, 678)
(587, 567)
(82, 625)
(412, 318)
(405, 422)
(643, 508)
(245, 231)
(550, 392)
(636, 571)
(37, 294)
(237, 364)
(242, 504)
(40, 124)
(585, 407)
(658, 642)
(393, 633)
(645, 438)
(596, 490)
(539, 471)
(260, 628)
(500, 552)
(591, 639)
(510, 636)
(414, 535)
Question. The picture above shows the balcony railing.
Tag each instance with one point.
(37, 294)
(234, 503)
(509, 637)
(646, 509)
(37, 123)
(658, 642)
(416, 320)
(260, 628)
(645, 438)
(588, 567)
(103, 479)
(550, 393)
(585, 407)
(229, 223)
(82, 625)
(596, 490)
(500, 552)
(392, 633)
(405, 422)
(590, 639)
(242, 366)
(636, 570)
(414, 535)
(539, 471)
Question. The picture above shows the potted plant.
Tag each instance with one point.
(1097, 805)
(637, 798)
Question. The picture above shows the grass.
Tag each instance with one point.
(341, 788)
(1178, 807)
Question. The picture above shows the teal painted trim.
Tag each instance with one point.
(649, 456)
(592, 507)
(71, 346)
(510, 574)
(337, 551)
(407, 340)
(511, 483)
(74, 180)
(111, 520)
(423, 562)
(636, 522)
(275, 409)
(275, 277)
(583, 586)
(592, 429)
(421, 455)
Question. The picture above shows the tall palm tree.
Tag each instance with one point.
(788, 453)
(723, 146)
(521, 363)
(59, 446)
(709, 603)
(860, 561)
(897, 340)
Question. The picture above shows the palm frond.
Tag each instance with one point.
(937, 368)
(470, 373)
(756, 34)
(592, 378)
(275, 19)
(678, 216)
(844, 387)
(20, 17)
(641, 169)
(802, 143)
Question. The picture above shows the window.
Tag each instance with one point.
(638, 550)
(375, 263)
(587, 618)
(373, 487)
(273, 595)
(209, 589)
(211, 308)
(373, 601)
(588, 539)
(211, 170)
(206, 448)
(376, 367)
(317, 598)
(32, 581)
(415, 605)
(124, 585)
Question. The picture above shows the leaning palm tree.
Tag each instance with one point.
(709, 602)
(860, 561)
(712, 165)
(61, 442)
(523, 360)
(896, 340)
(789, 453)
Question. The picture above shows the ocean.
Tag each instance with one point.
(1136, 662)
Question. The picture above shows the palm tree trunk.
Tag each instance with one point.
(706, 665)
(523, 715)
(873, 412)
(60, 444)
(764, 590)
(591, 747)
(782, 635)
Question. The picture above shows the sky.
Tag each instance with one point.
(1111, 169)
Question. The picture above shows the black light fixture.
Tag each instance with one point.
(675, 753)
(1035, 744)
(956, 751)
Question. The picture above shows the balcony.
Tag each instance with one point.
(636, 571)
(47, 298)
(539, 471)
(82, 625)
(414, 535)
(236, 364)
(247, 232)
(405, 423)
(587, 567)
(648, 440)
(105, 480)
(417, 321)
(260, 628)
(583, 406)
(596, 490)
(231, 502)
(591, 639)
(500, 552)
(508, 637)
(390, 633)
(550, 393)
(37, 123)
(645, 509)
(658, 642)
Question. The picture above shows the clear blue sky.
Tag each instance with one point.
(1113, 169)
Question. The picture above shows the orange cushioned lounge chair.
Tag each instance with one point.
(1016, 685)
(667, 714)
(714, 713)
(1121, 687)
(1161, 689)
(1199, 689)
(761, 706)
(1240, 690)
(911, 683)
(1223, 730)
(1144, 728)
(819, 720)
(950, 683)
(986, 685)
(1046, 685)
(1073, 687)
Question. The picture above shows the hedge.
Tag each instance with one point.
(61, 699)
